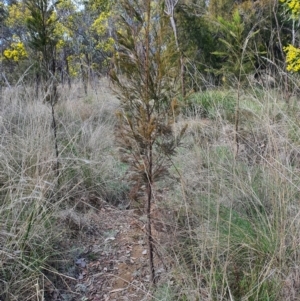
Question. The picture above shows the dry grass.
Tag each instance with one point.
(31, 200)
(232, 222)
(237, 218)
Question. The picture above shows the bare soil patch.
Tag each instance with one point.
(109, 259)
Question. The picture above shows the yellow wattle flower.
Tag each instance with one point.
(292, 58)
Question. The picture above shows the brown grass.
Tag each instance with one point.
(228, 229)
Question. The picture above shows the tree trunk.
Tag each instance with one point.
(149, 233)
(1, 89)
(55, 137)
(37, 84)
(84, 79)
(67, 68)
(182, 71)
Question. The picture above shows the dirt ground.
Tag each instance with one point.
(106, 256)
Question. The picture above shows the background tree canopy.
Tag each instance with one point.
(211, 36)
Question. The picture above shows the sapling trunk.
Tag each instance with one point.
(237, 120)
(54, 126)
(150, 155)
(149, 233)
(84, 79)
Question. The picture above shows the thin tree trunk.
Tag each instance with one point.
(149, 233)
(182, 71)
(62, 78)
(1, 88)
(88, 72)
(237, 120)
(67, 69)
(53, 100)
(84, 81)
(150, 152)
(55, 136)
(1, 73)
(37, 84)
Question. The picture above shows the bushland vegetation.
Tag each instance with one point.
(185, 111)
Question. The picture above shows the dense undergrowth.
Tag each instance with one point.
(233, 219)
(32, 221)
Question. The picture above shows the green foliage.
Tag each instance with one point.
(85, 38)
(41, 27)
(221, 8)
(293, 6)
(195, 28)
(239, 60)
(92, 44)
(211, 104)
(3, 13)
(252, 242)
(28, 248)
(245, 254)
(164, 293)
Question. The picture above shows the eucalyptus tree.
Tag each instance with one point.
(65, 12)
(92, 41)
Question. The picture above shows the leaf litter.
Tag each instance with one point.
(109, 256)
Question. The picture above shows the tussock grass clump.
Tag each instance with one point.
(89, 159)
(236, 216)
(230, 221)
(211, 104)
(31, 198)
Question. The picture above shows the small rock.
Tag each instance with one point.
(160, 270)
(136, 274)
(144, 252)
(81, 262)
(122, 259)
